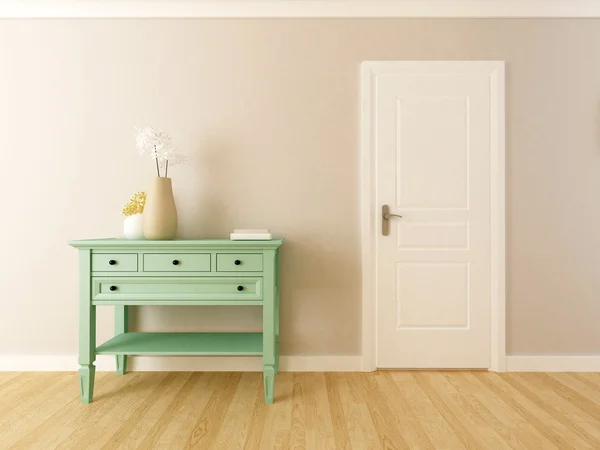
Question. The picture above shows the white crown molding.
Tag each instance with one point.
(298, 8)
(104, 363)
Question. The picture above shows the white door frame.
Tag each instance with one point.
(369, 210)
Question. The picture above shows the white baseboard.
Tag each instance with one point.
(553, 363)
(105, 363)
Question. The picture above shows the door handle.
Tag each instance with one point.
(386, 215)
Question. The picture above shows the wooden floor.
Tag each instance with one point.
(414, 410)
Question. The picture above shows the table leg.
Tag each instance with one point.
(87, 330)
(87, 373)
(269, 381)
(87, 354)
(277, 310)
(277, 330)
(121, 326)
(269, 325)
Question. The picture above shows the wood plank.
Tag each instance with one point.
(37, 416)
(319, 429)
(361, 429)
(385, 422)
(144, 423)
(483, 416)
(465, 412)
(278, 419)
(550, 404)
(19, 387)
(237, 418)
(185, 410)
(592, 379)
(84, 418)
(206, 428)
(532, 412)
(583, 383)
(8, 378)
(298, 419)
(527, 436)
(257, 421)
(407, 423)
(341, 435)
(439, 431)
(124, 405)
(565, 407)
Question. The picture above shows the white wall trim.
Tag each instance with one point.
(369, 210)
(368, 225)
(106, 363)
(297, 8)
(498, 218)
(553, 363)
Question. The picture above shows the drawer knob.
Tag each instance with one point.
(240, 288)
(113, 288)
(175, 262)
(237, 262)
(112, 262)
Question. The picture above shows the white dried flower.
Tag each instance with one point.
(143, 138)
(174, 157)
(159, 145)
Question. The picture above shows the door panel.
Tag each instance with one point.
(432, 140)
(423, 125)
(432, 295)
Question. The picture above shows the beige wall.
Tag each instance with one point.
(267, 111)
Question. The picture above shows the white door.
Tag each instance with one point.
(432, 135)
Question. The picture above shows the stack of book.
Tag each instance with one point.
(250, 235)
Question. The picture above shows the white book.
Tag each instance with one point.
(250, 235)
(251, 231)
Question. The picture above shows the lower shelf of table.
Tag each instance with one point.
(183, 344)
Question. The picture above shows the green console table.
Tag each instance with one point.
(124, 273)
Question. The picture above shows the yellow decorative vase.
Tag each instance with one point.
(160, 213)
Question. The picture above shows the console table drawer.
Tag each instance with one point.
(114, 262)
(177, 289)
(176, 262)
(238, 262)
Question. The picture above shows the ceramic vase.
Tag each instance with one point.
(133, 227)
(160, 213)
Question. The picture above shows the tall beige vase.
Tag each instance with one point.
(160, 213)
